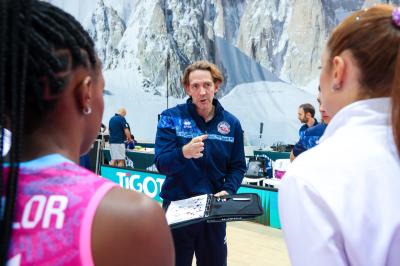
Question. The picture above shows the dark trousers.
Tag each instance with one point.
(206, 240)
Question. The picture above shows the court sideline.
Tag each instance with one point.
(254, 244)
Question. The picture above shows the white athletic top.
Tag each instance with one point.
(339, 202)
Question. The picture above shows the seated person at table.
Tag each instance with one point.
(311, 135)
(54, 212)
(306, 114)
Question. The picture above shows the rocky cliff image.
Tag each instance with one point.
(268, 50)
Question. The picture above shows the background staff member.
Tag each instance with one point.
(199, 147)
(119, 134)
(311, 135)
(305, 114)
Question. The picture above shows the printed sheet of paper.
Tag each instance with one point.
(186, 209)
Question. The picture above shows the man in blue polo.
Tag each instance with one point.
(119, 134)
(199, 147)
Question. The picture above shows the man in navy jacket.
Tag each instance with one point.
(311, 136)
(199, 147)
(306, 114)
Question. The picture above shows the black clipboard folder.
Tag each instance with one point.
(207, 207)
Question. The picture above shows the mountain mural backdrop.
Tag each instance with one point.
(269, 52)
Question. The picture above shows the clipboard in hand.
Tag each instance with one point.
(207, 207)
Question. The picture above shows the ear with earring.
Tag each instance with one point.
(87, 110)
(336, 87)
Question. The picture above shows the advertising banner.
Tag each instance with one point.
(144, 182)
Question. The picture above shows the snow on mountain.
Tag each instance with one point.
(269, 52)
(286, 38)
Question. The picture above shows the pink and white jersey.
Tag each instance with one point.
(56, 203)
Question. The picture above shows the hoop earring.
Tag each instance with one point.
(87, 110)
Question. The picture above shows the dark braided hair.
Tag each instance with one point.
(39, 43)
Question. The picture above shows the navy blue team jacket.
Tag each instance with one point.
(309, 139)
(222, 166)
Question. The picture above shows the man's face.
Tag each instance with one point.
(301, 115)
(202, 89)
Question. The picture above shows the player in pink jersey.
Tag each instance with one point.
(53, 212)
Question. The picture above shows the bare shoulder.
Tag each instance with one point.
(129, 228)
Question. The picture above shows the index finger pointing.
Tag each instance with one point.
(200, 138)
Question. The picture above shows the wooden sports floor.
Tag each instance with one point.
(252, 244)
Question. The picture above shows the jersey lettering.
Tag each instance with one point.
(39, 208)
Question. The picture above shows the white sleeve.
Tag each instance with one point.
(311, 231)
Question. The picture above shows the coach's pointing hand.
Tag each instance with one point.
(194, 149)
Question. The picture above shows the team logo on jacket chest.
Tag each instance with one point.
(187, 124)
(224, 128)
